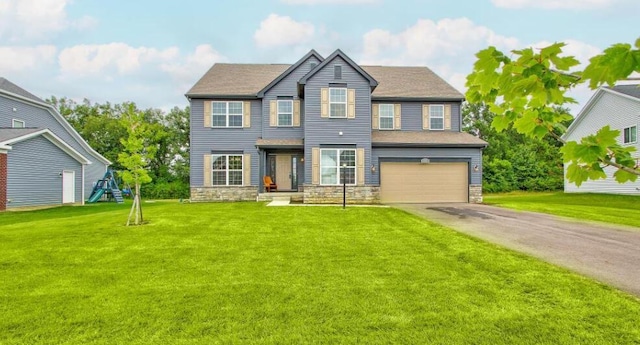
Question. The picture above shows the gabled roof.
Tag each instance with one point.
(289, 70)
(11, 136)
(8, 86)
(425, 139)
(410, 82)
(338, 53)
(240, 80)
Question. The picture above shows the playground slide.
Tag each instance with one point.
(96, 196)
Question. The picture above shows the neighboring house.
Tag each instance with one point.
(619, 108)
(394, 133)
(43, 160)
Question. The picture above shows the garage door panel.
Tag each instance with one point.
(418, 183)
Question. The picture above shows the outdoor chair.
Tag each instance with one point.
(269, 186)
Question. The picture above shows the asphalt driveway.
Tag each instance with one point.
(608, 253)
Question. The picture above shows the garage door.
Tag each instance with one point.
(415, 182)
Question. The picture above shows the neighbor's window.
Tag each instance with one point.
(17, 123)
(337, 102)
(436, 116)
(630, 134)
(331, 166)
(226, 170)
(285, 113)
(386, 116)
(227, 114)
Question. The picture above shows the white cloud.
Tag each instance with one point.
(553, 4)
(278, 30)
(330, 2)
(185, 72)
(23, 59)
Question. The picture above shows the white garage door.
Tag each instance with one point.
(428, 183)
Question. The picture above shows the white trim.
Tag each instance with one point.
(52, 138)
(346, 102)
(431, 117)
(61, 120)
(631, 142)
(393, 116)
(13, 123)
(227, 114)
(82, 170)
(339, 166)
(278, 112)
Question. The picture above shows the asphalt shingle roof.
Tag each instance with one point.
(13, 88)
(410, 82)
(630, 90)
(225, 79)
(12, 133)
(427, 138)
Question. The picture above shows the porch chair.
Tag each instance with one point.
(269, 186)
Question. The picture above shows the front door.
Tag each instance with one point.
(283, 172)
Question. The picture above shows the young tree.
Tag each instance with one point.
(529, 89)
(136, 156)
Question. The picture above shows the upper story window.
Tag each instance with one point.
(630, 135)
(436, 116)
(227, 114)
(386, 116)
(285, 112)
(226, 170)
(15, 123)
(336, 164)
(337, 102)
(337, 72)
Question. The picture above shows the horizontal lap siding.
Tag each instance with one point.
(412, 114)
(320, 131)
(475, 155)
(34, 168)
(204, 140)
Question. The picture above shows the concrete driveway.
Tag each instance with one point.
(608, 253)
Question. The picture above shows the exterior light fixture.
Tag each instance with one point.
(340, 133)
(476, 168)
(373, 168)
(425, 161)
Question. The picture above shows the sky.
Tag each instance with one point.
(152, 52)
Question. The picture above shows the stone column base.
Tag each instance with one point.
(226, 193)
(315, 194)
(475, 193)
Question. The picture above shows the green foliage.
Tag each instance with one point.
(137, 151)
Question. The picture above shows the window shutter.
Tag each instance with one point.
(360, 166)
(397, 119)
(207, 113)
(375, 115)
(324, 102)
(447, 116)
(425, 116)
(315, 165)
(207, 171)
(246, 169)
(296, 113)
(246, 121)
(273, 113)
(351, 103)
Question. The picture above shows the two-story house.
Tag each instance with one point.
(619, 108)
(393, 134)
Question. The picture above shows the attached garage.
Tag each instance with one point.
(412, 182)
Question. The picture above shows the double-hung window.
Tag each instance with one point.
(336, 164)
(285, 112)
(436, 116)
(15, 123)
(226, 170)
(386, 116)
(227, 114)
(630, 135)
(337, 102)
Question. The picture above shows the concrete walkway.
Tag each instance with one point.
(608, 253)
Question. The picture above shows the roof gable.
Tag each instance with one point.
(338, 53)
(290, 70)
(8, 86)
(10, 136)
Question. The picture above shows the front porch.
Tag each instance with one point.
(292, 196)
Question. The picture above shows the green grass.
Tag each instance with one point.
(608, 208)
(246, 273)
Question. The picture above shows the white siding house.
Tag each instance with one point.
(618, 107)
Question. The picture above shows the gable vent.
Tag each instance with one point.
(337, 72)
(313, 65)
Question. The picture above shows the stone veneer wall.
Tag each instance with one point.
(475, 193)
(314, 194)
(199, 194)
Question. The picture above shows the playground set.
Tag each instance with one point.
(106, 189)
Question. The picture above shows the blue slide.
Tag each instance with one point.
(96, 196)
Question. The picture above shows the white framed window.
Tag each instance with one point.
(285, 113)
(337, 102)
(336, 162)
(436, 116)
(226, 170)
(630, 135)
(386, 114)
(15, 123)
(226, 114)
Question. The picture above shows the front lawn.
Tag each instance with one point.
(246, 273)
(608, 208)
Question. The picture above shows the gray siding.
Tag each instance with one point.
(34, 168)
(475, 155)
(411, 114)
(286, 87)
(319, 131)
(35, 116)
(205, 139)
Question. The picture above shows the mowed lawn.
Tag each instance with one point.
(608, 208)
(246, 273)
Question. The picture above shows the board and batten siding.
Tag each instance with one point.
(474, 154)
(325, 131)
(207, 139)
(618, 112)
(35, 116)
(411, 114)
(288, 87)
(34, 173)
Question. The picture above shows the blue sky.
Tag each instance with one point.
(151, 52)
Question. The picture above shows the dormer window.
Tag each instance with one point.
(15, 123)
(337, 72)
